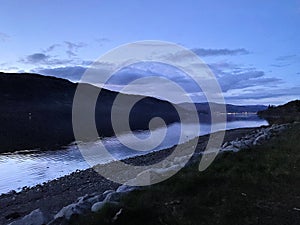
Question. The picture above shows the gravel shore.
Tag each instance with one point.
(50, 197)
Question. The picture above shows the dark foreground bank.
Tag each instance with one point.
(260, 185)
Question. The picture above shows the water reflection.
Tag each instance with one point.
(33, 167)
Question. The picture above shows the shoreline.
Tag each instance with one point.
(53, 195)
(68, 170)
(151, 156)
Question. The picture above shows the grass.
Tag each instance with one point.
(256, 186)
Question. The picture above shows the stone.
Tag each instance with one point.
(105, 193)
(230, 148)
(259, 139)
(79, 207)
(113, 197)
(36, 217)
(248, 142)
(237, 144)
(115, 218)
(97, 206)
(125, 188)
(225, 145)
(68, 211)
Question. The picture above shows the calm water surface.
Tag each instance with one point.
(28, 168)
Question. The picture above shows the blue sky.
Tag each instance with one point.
(251, 46)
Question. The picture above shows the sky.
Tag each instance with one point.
(252, 47)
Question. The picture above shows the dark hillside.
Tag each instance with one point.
(36, 111)
(286, 113)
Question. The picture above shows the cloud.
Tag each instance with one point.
(247, 86)
(285, 60)
(202, 52)
(279, 65)
(120, 78)
(4, 37)
(285, 57)
(5, 67)
(236, 81)
(37, 58)
(72, 48)
(230, 81)
(102, 41)
(41, 58)
(218, 52)
(51, 48)
(219, 68)
(231, 77)
(73, 73)
(260, 93)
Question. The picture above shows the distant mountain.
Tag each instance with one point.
(204, 108)
(286, 113)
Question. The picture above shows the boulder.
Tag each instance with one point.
(125, 188)
(97, 206)
(230, 148)
(36, 217)
(225, 144)
(260, 139)
(248, 142)
(82, 205)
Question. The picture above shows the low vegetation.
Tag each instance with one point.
(256, 186)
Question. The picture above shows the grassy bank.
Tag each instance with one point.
(256, 186)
